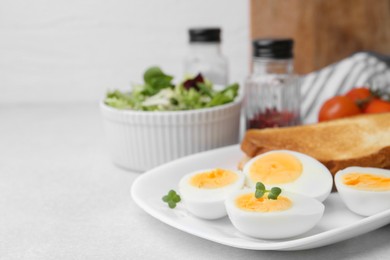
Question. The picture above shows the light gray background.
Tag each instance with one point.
(74, 50)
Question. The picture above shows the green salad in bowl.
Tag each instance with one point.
(159, 93)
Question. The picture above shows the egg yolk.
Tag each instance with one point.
(249, 202)
(213, 179)
(367, 181)
(276, 168)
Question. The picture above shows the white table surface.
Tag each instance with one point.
(62, 198)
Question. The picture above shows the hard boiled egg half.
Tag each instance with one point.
(291, 214)
(204, 192)
(291, 171)
(365, 191)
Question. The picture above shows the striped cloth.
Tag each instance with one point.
(361, 69)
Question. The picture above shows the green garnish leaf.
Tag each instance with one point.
(171, 198)
(176, 198)
(274, 193)
(260, 186)
(259, 193)
(272, 196)
(261, 190)
(171, 204)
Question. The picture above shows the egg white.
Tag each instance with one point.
(207, 203)
(362, 202)
(315, 181)
(303, 215)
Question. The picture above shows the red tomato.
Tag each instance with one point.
(377, 106)
(338, 107)
(361, 96)
(357, 94)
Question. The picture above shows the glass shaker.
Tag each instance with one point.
(272, 91)
(205, 55)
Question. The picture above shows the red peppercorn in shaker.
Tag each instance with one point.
(272, 92)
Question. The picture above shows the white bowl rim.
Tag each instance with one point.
(237, 101)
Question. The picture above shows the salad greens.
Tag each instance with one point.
(158, 93)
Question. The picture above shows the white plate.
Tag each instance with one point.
(337, 224)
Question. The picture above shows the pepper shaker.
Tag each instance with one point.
(272, 96)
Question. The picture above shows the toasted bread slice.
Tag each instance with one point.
(354, 141)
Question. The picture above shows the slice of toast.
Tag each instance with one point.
(362, 140)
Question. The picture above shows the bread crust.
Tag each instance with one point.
(355, 141)
(380, 159)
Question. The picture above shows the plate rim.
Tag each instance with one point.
(272, 245)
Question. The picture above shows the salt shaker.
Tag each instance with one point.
(272, 91)
(205, 55)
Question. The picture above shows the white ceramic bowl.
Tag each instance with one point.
(141, 140)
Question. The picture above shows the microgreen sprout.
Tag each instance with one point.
(272, 193)
(172, 198)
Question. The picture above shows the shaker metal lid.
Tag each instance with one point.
(273, 48)
(205, 34)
